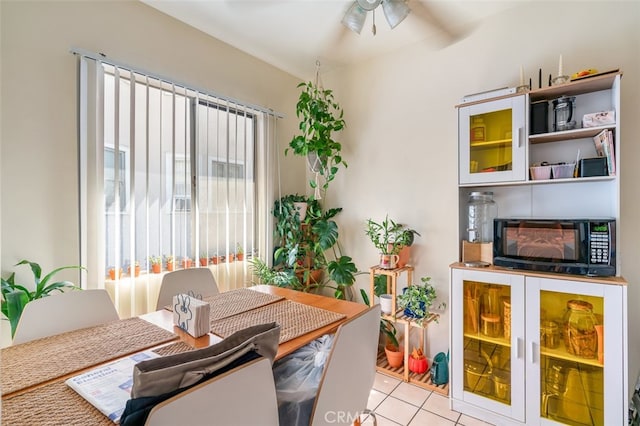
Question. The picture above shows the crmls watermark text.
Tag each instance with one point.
(341, 417)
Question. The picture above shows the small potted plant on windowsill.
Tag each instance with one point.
(204, 259)
(170, 262)
(215, 259)
(239, 253)
(113, 273)
(187, 262)
(416, 299)
(156, 264)
(136, 269)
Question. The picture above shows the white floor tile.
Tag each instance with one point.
(397, 410)
(375, 398)
(439, 404)
(384, 383)
(411, 394)
(383, 421)
(471, 421)
(427, 418)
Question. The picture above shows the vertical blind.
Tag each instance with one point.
(168, 172)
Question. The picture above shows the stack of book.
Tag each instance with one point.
(605, 148)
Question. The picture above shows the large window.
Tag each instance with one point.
(168, 172)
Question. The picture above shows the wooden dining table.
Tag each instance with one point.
(56, 402)
(164, 318)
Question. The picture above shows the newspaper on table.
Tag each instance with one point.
(108, 388)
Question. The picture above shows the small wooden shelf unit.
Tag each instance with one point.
(408, 323)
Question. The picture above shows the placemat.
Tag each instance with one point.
(54, 404)
(51, 357)
(174, 348)
(233, 302)
(295, 319)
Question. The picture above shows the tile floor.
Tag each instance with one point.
(398, 403)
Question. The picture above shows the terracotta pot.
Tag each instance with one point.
(215, 260)
(136, 271)
(239, 257)
(204, 261)
(156, 268)
(404, 256)
(314, 277)
(395, 358)
(187, 263)
(170, 266)
(112, 273)
(230, 257)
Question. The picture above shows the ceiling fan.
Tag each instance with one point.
(395, 11)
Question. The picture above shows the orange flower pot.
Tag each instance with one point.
(156, 268)
(204, 261)
(136, 271)
(170, 266)
(112, 273)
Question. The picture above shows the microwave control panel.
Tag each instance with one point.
(599, 243)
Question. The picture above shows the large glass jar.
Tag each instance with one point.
(580, 336)
(481, 211)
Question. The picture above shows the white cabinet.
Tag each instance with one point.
(492, 141)
(530, 348)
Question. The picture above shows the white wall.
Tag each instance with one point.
(401, 141)
(39, 102)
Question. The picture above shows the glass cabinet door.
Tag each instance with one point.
(491, 364)
(492, 141)
(571, 358)
(569, 351)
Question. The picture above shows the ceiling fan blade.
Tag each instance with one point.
(436, 20)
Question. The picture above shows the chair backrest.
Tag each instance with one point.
(199, 281)
(63, 312)
(349, 372)
(245, 395)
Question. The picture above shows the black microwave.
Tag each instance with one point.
(569, 246)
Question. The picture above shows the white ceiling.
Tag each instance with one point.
(294, 34)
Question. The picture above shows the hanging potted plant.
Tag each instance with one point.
(320, 115)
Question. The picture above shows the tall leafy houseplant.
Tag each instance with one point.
(320, 115)
(306, 246)
(16, 296)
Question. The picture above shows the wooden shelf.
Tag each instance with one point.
(422, 380)
(576, 87)
(564, 135)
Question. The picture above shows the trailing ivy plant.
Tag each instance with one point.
(320, 115)
(16, 296)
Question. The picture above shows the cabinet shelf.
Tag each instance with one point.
(541, 182)
(576, 87)
(561, 353)
(492, 144)
(495, 340)
(581, 133)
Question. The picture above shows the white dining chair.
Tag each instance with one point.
(64, 312)
(245, 395)
(198, 282)
(346, 381)
(349, 372)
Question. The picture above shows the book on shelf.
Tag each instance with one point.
(605, 147)
(108, 387)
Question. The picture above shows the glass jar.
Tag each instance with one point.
(481, 210)
(580, 336)
(549, 334)
(478, 130)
